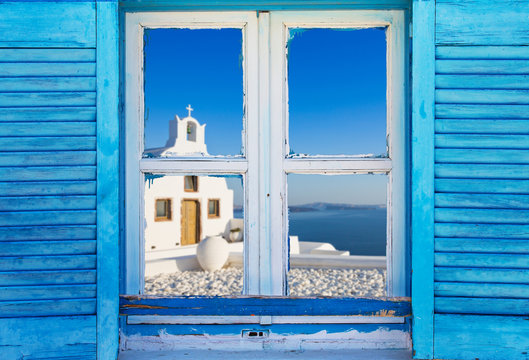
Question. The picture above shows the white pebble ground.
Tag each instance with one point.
(302, 282)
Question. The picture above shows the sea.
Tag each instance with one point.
(362, 231)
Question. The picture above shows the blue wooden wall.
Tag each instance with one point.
(481, 179)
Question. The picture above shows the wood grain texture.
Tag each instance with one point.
(509, 261)
(482, 245)
(46, 143)
(489, 201)
(47, 55)
(482, 171)
(48, 129)
(483, 186)
(50, 24)
(510, 231)
(481, 111)
(48, 262)
(63, 247)
(34, 218)
(25, 203)
(489, 306)
(86, 113)
(40, 278)
(481, 96)
(47, 69)
(486, 67)
(463, 81)
(479, 275)
(480, 290)
(70, 98)
(482, 52)
(55, 307)
(47, 292)
(72, 232)
(47, 158)
(488, 216)
(496, 337)
(482, 156)
(48, 83)
(48, 188)
(43, 173)
(482, 141)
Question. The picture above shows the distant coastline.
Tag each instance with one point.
(321, 206)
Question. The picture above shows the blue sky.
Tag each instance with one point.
(337, 96)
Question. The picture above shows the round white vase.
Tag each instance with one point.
(212, 253)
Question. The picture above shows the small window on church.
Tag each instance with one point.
(213, 208)
(190, 183)
(163, 210)
(191, 131)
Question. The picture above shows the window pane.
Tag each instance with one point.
(337, 91)
(192, 253)
(191, 183)
(337, 233)
(163, 207)
(202, 67)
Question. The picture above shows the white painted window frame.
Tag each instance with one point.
(265, 164)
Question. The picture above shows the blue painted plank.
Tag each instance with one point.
(477, 126)
(48, 24)
(47, 69)
(490, 216)
(65, 337)
(59, 262)
(486, 186)
(512, 261)
(43, 173)
(61, 277)
(482, 67)
(47, 292)
(77, 232)
(482, 52)
(47, 143)
(461, 81)
(477, 275)
(48, 188)
(86, 113)
(481, 111)
(108, 206)
(482, 141)
(466, 305)
(48, 129)
(70, 98)
(60, 83)
(484, 171)
(480, 96)
(17, 309)
(33, 218)
(511, 291)
(196, 305)
(482, 156)
(50, 158)
(480, 245)
(491, 201)
(481, 336)
(47, 55)
(19, 203)
(482, 230)
(63, 247)
(469, 22)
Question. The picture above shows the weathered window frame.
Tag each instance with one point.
(216, 213)
(264, 173)
(168, 208)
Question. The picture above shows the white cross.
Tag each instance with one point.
(189, 109)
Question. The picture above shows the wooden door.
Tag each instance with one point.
(190, 222)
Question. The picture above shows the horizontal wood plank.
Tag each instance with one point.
(34, 218)
(48, 129)
(27, 233)
(488, 216)
(58, 262)
(40, 278)
(510, 231)
(482, 52)
(468, 305)
(479, 260)
(488, 201)
(47, 143)
(482, 141)
(486, 186)
(482, 156)
(86, 113)
(48, 158)
(47, 55)
(64, 247)
(59, 83)
(65, 337)
(50, 24)
(47, 69)
(480, 290)
(43, 173)
(478, 126)
(481, 67)
(500, 22)
(465, 81)
(64, 98)
(47, 292)
(478, 275)
(481, 245)
(47, 307)
(481, 96)
(481, 111)
(47, 188)
(23, 203)
(476, 171)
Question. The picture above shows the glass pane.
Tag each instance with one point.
(202, 67)
(337, 233)
(161, 208)
(337, 91)
(191, 253)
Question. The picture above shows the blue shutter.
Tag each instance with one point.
(481, 284)
(48, 180)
